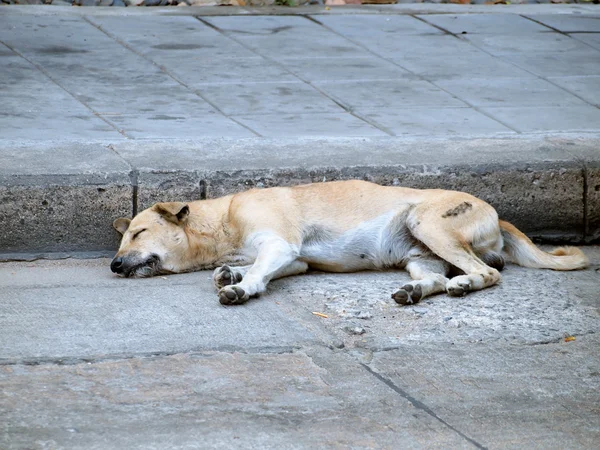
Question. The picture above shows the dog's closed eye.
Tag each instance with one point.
(138, 233)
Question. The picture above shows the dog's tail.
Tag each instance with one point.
(524, 252)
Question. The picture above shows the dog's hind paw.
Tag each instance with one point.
(459, 286)
(225, 275)
(233, 295)
(408, 294)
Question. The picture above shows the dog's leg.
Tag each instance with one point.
(226, 275)
(276, 258)
(429, 275)
(477, 276)
(470, 224)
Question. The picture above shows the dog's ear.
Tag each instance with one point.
(176, 212)
(121, 224)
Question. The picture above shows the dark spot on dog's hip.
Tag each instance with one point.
(460, 209)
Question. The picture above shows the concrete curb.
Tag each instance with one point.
(63, 196)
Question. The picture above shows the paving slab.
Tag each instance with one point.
(587, 88)
(434, 121)
(511, 91)
(275, 97)
(570, 23)
(508, 397)
(368, 68)
(321, 124)
(538, 43)
(388, 94)
(547, 118)
(484, 24)
(212, 400)
(592, 39)
(94, 314)
(530, 307)
(582, 62)
(379, 26)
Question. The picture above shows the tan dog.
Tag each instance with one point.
(346, 226)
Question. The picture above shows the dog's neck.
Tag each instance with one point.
(212, 240)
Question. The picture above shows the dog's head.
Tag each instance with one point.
(154, 242)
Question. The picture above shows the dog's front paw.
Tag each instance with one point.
(233, 295)
(408, 294)
(225, 275)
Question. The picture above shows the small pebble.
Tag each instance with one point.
(363, 315)
(355, 330)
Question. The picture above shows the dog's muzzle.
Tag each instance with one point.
(133, 265)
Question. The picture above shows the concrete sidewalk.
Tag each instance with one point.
(92, 361)
(105, 110)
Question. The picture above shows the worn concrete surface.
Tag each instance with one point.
(88, 360)
(105, 110)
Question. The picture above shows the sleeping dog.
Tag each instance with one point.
(255, 236)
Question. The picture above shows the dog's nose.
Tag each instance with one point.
(117, 265)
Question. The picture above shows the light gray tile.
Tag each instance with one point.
(557, 119)
(49, 125)
(530, 44)
(592, 39)
(368, 68)
(178, 126)
(37, 99)
(168, 53)
(153, 28)
(569, 23)
(196, 71)
(273, 26)
(435, 121)
(559, 64)
(389, 94)
(307, 47)
(359, 26)
(443, 67)
(509, 92)
(587, 88)
(52, 35)
(484, 23)
(115, 66)
(166, 38)
(268, 98)
(433, 46)
(141, 99)
(310, 125)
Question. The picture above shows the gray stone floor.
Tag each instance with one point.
(112, 77)
(92, 361)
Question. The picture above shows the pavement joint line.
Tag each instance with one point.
(51, 78)
(420, 405)
(420, 77)
(316, 88)
(586, 220)
(76, 360)
(133, 178)
(167, 72)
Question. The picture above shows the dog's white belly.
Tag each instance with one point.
(375, 244)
